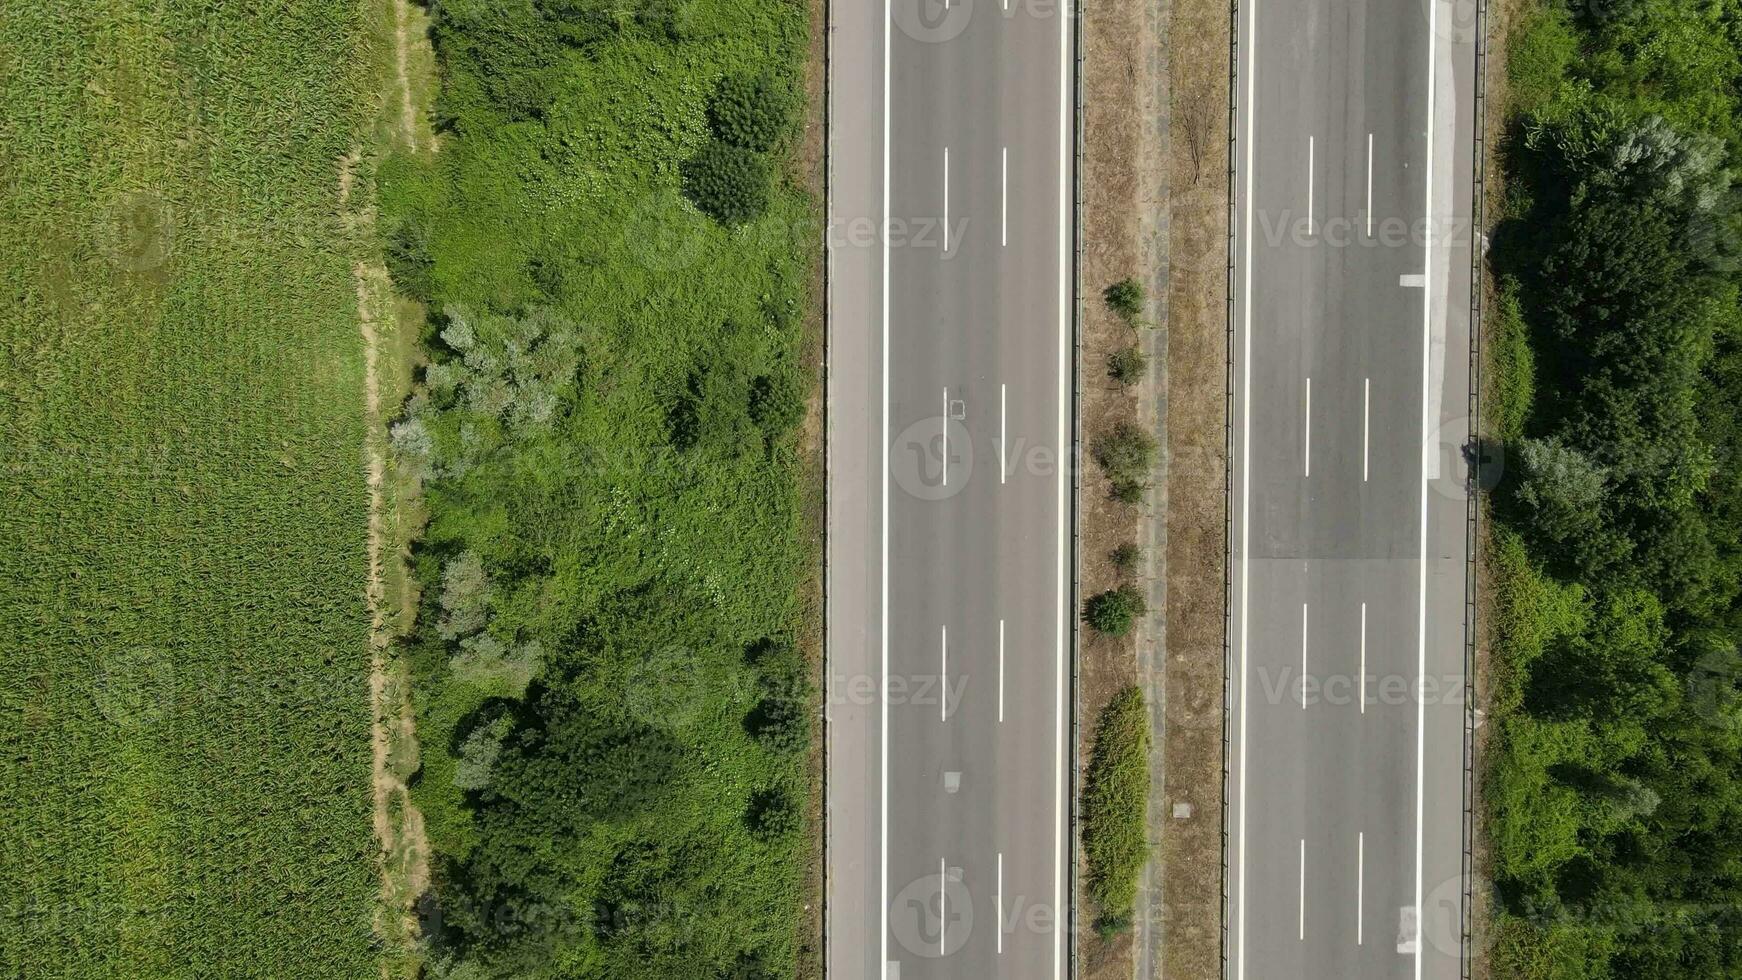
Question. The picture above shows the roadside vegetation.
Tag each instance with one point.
(1614, 782)
(184, 704)
(1115, 809)
(613, 704)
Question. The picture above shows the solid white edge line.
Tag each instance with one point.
(883, 629)
(1308, 426)
(1066, 149)
(1366, 415)
(1303, 656)
(1426, 438)
(1246, 475)
(1300, 904)
(1360, 885)
(1363, 658)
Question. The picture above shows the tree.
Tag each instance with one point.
(1114, 611)
(1126, 556)
(1126, 453)
(1558, 500)
(479, 752)
(752, 112)
(465, 598)
(728, 183)
(1126, 365)
(773, 814)
(1125, 298)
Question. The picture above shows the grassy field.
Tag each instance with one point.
(184, 699)
(612, 703)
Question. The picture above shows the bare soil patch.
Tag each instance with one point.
(1197, 547)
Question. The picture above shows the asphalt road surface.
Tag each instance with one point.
(1351, 308)
(949, 367)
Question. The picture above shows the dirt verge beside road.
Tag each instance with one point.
(1197, 369)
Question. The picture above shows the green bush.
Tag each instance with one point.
(777, 402)
(752, 112)
(1513, 386)
(1116, 807)
(1127, 365)
(1125, 298)
(1126, 556)
(1126, 453)
(728, 183)
(773, 814)
(1115, 611)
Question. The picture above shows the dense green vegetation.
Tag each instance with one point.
(1115, 809)
(614, 710)
(1115, 611)
(184, 704)
(1614, 789)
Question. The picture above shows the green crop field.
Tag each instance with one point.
(613, 704)
(183, 689)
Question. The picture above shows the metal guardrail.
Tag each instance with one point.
(1228, 458)
(1075, 10)
(824, 728)
(1473, 506)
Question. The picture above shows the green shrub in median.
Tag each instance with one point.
(1126, 556)
(1116, 807)
(1126, 365)
(1125, 298)
(1126, 453)
(1114, 611)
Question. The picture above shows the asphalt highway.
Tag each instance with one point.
(948, 404)
(1351, 311)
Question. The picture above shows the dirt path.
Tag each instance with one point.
(382, 325)
(402, 71)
